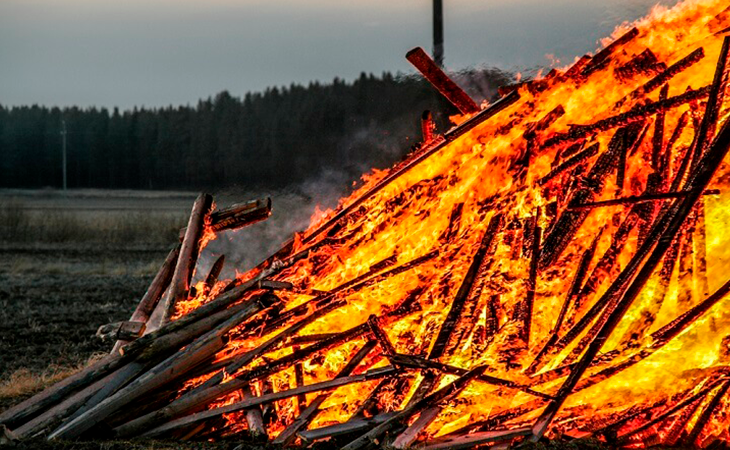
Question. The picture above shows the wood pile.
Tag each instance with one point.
(172, 373)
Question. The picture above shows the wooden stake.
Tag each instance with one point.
(180, 283)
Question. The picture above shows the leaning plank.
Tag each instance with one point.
(351, 426)
(714, 103)
(449, 323)
(245, 359)
(154, 293)
(666, 75)
(268, 398)
(691, 439)
(180, 283)
(475, 439)
(449, 391)
(418, 362)
(433, 73)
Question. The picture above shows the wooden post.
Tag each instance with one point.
(180, 283)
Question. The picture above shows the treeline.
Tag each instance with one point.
(269, 139)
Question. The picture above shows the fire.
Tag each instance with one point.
(493, 184)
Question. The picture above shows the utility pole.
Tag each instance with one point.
(63, 140)
(438, 32)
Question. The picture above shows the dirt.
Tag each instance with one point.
(52, 300)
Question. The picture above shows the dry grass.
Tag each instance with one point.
(23, 382)
(102, 227)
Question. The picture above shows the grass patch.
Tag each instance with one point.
(21, 224)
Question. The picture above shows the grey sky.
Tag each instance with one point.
(160, 52)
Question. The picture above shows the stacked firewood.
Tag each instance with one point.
(166, 374)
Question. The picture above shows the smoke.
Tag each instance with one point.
(292, 209)
(369, 144)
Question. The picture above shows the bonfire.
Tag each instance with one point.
(554, 265)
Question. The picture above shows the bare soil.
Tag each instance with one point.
(52, 300)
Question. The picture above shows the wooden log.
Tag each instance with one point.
(418, 362)
(213, 275)
(476, 439)
(172, 337)
(658, 339)
(692, 438)
(433, 73)
(449, 391)
(427, 126)
(524, 309)
(240, 361)
(435, 146)
(52, 417)
(700, 250)
(287, 436)
(636, 114)
(705, 390)
(406, 438)
(380, 336)
(597, 61)
(203, 312)
(558, 237)
(570, 163)
(240, 215)
(570, 299)
(354, 425)
(171, 368)
(633, 199)
(664, 77)
(268, 398)
(645, 63)
(125, 331)
(120, 378)
(449, 323)
(668, 151)
(180, 283)
(631, 280)
(657, 142)
(254, 417)
(714, 103)
(153, 294)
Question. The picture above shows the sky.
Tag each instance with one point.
(155, 53)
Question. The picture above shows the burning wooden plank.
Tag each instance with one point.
(433, 73)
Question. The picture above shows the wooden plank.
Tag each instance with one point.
(445, 85)
(153, 294)
(180, 283)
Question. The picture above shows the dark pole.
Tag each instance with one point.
(438, 32)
